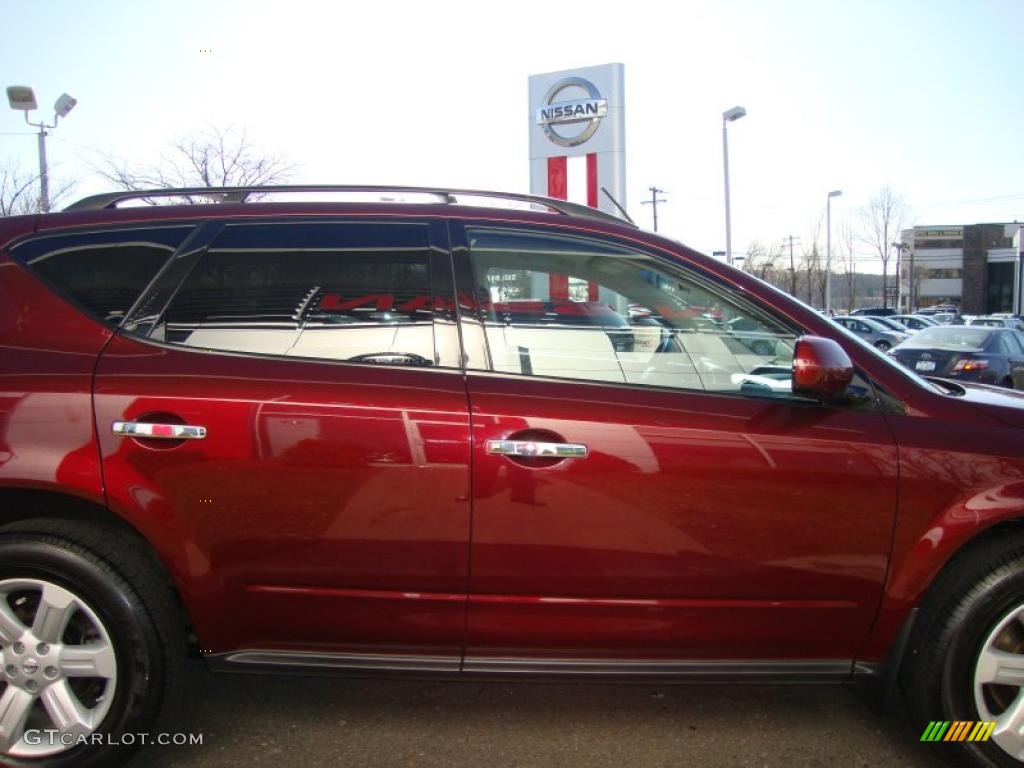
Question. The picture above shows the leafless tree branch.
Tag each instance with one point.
(19, 191)
(214, 158)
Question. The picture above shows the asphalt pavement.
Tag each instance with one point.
(309, 722)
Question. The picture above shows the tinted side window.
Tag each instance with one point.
(356, 292)
(575, 308)
(104, 272)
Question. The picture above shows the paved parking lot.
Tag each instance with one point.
(338, 722)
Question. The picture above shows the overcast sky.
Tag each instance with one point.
(923, 96)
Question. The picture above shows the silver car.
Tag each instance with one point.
(999, 321)
(915, 322)
(873, 332)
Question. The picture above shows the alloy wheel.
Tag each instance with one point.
(59, 669)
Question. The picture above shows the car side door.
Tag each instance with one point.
(283, 416)
(664, 499)
(1015, 344)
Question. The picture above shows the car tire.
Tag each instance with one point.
(973, 612)
(106, 592)
(1007, 382)
(884, 346)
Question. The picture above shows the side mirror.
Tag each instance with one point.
(821, 368)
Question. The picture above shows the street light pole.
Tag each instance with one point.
(728, 116)
(900, 248)
(828, 248)
(44, 178)
(23, 99)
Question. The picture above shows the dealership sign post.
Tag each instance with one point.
(578, 113)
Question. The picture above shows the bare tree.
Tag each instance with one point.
(847, 262)
(215, 158)
(813, 265)
(762, 261)
(19, 191)
(881, 219)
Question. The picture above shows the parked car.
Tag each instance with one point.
(999, 321)
(937, 309)
(874, 312)
(380, 436)
(892, 324)
(947, 318)
(874, 333)
(971, 353)
(914, 322)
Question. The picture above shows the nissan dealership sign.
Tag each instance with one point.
(579, 113)
(587, 112)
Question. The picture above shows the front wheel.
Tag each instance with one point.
(883, 346)
(88, 645)
(965, 660)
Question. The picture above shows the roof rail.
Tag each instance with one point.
(241, 195)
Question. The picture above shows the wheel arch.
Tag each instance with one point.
(19, 507)
(889, 639)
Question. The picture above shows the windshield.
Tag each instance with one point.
(891, 323)
(873, 324)
(954, 336)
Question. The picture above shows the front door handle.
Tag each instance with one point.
(152, 431)
(532, 449)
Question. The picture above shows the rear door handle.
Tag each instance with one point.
(152, 431)
(534, 449)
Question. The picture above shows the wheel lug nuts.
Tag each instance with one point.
(43, 649)
(19, 648)
(12, 671)
(50, 672)
(32, 685)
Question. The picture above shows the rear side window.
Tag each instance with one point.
(102, 272)
(358, 292)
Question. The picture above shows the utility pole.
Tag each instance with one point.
(653, 202)
(792, 265)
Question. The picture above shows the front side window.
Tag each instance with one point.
(576, 308)
(349, 292)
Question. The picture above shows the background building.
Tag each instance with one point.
(972, 266)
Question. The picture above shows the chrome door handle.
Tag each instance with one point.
(158, 431)
(534, 449)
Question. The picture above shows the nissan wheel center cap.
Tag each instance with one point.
(587, 111)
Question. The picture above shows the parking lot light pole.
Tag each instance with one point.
(828, 248)
(23, 99)
(900, 249)
(728, 116)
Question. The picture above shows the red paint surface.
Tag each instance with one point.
(558, 177)
(592, 190)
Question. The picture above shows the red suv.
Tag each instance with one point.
(316, 436)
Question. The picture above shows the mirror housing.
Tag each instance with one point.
(821, 368)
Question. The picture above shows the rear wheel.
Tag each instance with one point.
(885, 346)
(90, 644)
(965, 659)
